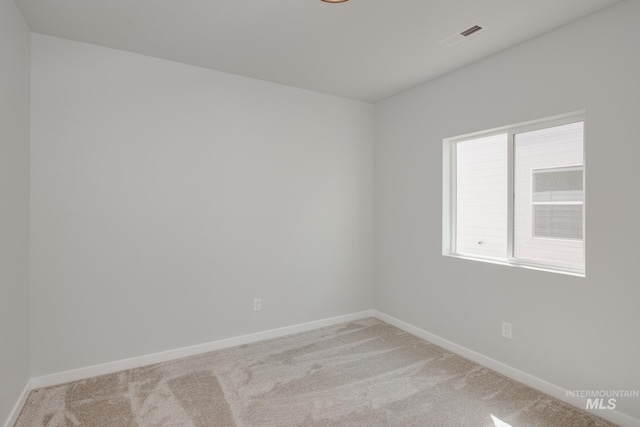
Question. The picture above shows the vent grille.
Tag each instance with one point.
(457, 38)
(471, 30)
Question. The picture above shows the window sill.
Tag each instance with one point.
(521, 264)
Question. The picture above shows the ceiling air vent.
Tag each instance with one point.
(457, 38)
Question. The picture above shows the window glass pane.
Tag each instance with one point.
(481, 196)
(548, 196)
(557, 185)
(557, 221)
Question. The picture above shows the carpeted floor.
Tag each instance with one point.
(364, 373)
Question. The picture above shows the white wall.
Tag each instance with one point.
(577, 333)
(166, 197)
(15, 39)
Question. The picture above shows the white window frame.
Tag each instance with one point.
(449, 192)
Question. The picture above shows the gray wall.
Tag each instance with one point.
(166, 197)
(577, 333)
(15, 38)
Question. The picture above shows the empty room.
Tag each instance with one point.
(319, 213)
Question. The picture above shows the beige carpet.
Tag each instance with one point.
(364, 373)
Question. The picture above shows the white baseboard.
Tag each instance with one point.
(165, 356)
(513, 373)
(13, 416)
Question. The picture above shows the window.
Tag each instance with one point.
(516, 195)
(557, 203)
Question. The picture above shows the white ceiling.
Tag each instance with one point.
(364, 50)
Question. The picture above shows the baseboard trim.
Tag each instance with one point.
(13, 416)
(513, 373)
(165, 356)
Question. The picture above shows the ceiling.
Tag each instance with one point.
(365, 50)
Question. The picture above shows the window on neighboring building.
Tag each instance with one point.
(557, 203)
(516, 195)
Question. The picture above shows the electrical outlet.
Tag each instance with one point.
(506, 330)
(257, 304)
